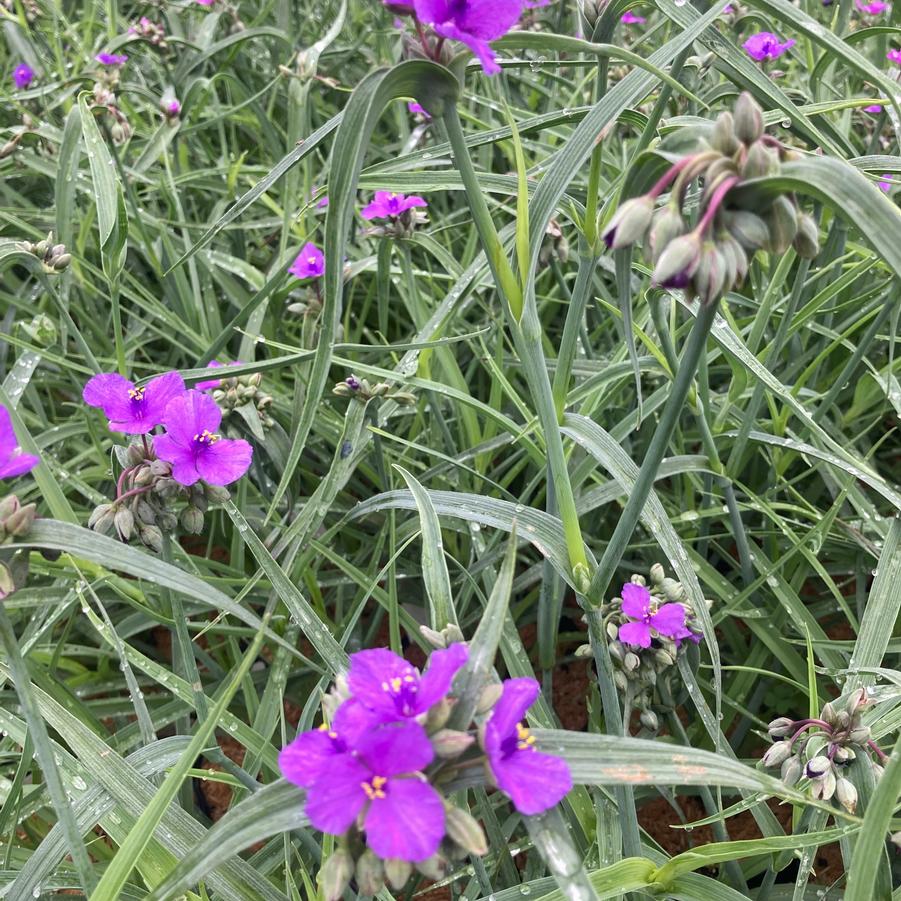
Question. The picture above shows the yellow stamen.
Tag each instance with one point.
(374, 788)
(206, 437)
(525, 740)
(136, 393)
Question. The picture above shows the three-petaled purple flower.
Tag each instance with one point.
(668, 619)
(874, 8)
(630, 18)
(129, 409)
(402, 815)
(111, 59)
(12, 461)
(417, 110)
(472, 22)
(388, 205)
(23, 75)
(873, 108)
(192, 445)
(894, 56)
(533, 780)
(309, 263)
(766, 46)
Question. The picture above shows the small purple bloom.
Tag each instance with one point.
(728, 9)
(388, 205)
(668, 620)
(23, 75)
(894, 56)
(766, 46)
(630, 18)
(12, 461)
(172, 108)
(309, 263)
(534, 781)
(885, 183)
(322, 203)
(352, 382)
(873, 108)
(472, 22)
(417, 110)
(135, 411)
(874, 8)
(192, 446)
(214, 383)
(402, 815)
(111, 59)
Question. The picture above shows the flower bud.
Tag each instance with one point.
(860, 735)
(723, 136)
(434, 867)
(397, 872)
(8, 506)
(216, 494)
(776, 754)
(125, 523)
(335, 875)
(824, 788)
(748, 229)
(631, 662)
(710, 278)
(490, 695)
(723, 166)
(151, 537)
(736, 259)
(629, 223)
(20, 522)
(191, 520)
(161, 469)
(673, 591)
(748, 119)
(828, 713)
(435, 639)
(101, 520)
(617, 651)
(657, 574)
(807, 239)
(7, 582)
(678, 262)
(761, 161)
(612, 629)
(843, 755)
(145, 513)
(370, 873)
(817, 767)
(166, 521)
(663, 657)
(791, 770)
(450, 743)
(465, 830)
(782, 222)
(649, 720)
(620, 681)
(780, 727)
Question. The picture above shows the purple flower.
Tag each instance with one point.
(766, 46)
(388, 205)
(172, 107)
(472, 22)
(873, 108)
(387, 688)
(352, 382)
(402, 815)
(874, 8)
(214, 383)
(728, 9)
(309, 263)
(668, 620)
(533, 780)
(136, 411)
(192, 446)
(322, 203)
(417, 110)
(629, 18)
(111, 59)
(12, 461)
(23, 75)
(885, 183)
(894, 56)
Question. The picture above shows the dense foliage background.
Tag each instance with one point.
(777, 498)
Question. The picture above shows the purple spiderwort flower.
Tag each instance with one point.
(388, 205)
(668, 619)
(630, 18)
(766, 46)
(192, 446)
(12, 461)
(23, 75)
(402, 815)
(874, 8)
(873, 108)
(172, 108)
(111, 59)
(322, 203)
(309, 263)
(135, 411)
(728, 9)
(885, 183)
(472, 22)
(533, 780)
(417, 110)
(894, 56)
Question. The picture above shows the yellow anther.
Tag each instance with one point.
(373, 788)
(396, 683)
(525, 740)
(206, 437)
(136, 393)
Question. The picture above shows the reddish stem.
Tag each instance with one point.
(879, 752)
(422, 38)
(806, 725)
(134, 492)
(715, 202)
(121, 482)
(666, 179)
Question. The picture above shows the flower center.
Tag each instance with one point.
(136, 393)
(331, 734)
(525, 741)
(206, 437)
(375, 787)
(403, 688)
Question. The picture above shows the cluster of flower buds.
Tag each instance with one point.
(591, 11)
(554, 246)
(647, 628)
(711, 258)
(821, 749)
(105, 96)
(32, 8)
(387, 750)
(150, 503)
(150, 32)
(238, 391)
(362, 389)
(55, 257)
(15, 523)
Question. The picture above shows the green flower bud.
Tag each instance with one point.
(102, 519)
(780, 727)
(20, 522)
(125, 523)
(860, 736)
(490, 695)
(761, 161)
(828, 713)
(723, 136)
(617, 651)
(151, 537)
(824, 788)
(438, 715)
(8, 506)
(666, 226)
(620, 681)
(748, 119)
(166, 521)
(143, 477)
(631, 662)
(61, 262)
(465, 830)
(450, 743)
(673, 591)
(434, 867)
(776, 754)
(791, 770)
(335, 875)
(710, 278)
(133, 455)
(191, 520)
(723, 166)
(649, 720)
(736, 259)
(404, 398)
(817, 767)
(678, 262)
(782, 222)
(664, 658)
(435, 639)
(215, 494)
(370, 873)
(612, 630)
(629, 223)
(7, 582)
(145, 513)
(748, 229)
(397, 872)
(807, 239)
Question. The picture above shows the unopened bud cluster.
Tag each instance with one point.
(105, 96)
(15, 524)
(820, 750)
(554, 247)
(362, 389)
(712, 258)
(239, 390)
(54, 257)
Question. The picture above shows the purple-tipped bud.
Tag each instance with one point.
(666, 226)
(824, 788)
(629, 223)
(780, 727)
(777, 754)
(678, 262)
(818, 767)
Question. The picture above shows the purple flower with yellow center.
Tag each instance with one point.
(309, 263)
(766, 46)
(111, 59)
(386, 688)
(472, 22)
(193, 447)
(668, 619)
(630, 18)
(23, 75)
(379, 783)
(417, 110)
(894, 56)
(875, 8)
(12, 461)
(128, 408)
(388, 205)
(533, 780)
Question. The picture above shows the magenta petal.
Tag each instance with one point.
(534, 781)
(180, 456)
(157, 394)
(395, 749)
(190, 413)
(225, 461)
(353, 720)
(308, 756)
(431, 11)
(210, 383)
(109, 391)
(17, 465)
(489, 19)
(335, 800)
(517, 697)
(479, 47)
(371, 670)
(437, 679)
(635, 633)
(408, 823)
(669, 619)
(636, 600)
(8, 441)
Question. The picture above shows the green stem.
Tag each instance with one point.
(697, 341)
(117, 329)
